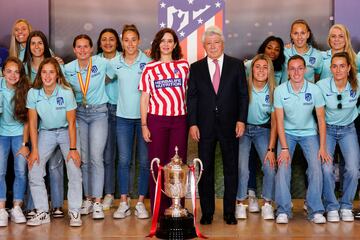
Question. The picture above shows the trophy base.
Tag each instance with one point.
(176, 227)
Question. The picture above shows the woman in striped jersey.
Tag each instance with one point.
(162, 104)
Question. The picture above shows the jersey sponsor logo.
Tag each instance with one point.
(267, 98)
(94, 69)
(312, 60)
(142, 66)
(352, 93)
(168, 83)
(308, 97)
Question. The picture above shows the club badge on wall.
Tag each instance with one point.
(189, 19)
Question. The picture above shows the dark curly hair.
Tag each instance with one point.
(21, 89)
(155, 46)
(279, 62)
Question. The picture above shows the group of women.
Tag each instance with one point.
(81, 112)
(315, 116)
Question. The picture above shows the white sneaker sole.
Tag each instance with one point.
(122, 217)
(75, 224)
(23, 220)
(38, 224)
(141, 217)
(4, 223)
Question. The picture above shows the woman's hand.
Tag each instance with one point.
(284, 157)
(324, 156)
(24, 151)
(146, 133)
(75, 156)
(33, 158)
(270, 156)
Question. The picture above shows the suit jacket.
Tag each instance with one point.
(229, 105)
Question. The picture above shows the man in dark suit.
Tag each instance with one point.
(217, 101)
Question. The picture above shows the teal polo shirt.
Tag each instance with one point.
(280, 76)
(9, 126)
(111, 88)
(21, 55)
(100, 69)
(348, 113)
(313, 59)
(260, 108)
(33, 73)
(52, 110)
(128, 104)
(298, 107)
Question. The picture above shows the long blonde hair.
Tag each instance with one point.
(270, 78)
(348, 47)
(14, 48)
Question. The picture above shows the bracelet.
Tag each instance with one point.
(271, 149)
(25, 144)
(285, 149)
(73, 149)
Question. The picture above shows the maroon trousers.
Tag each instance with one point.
(167, 132)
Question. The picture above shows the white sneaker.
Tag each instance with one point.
(86, 207)
(240, 211)
(30, 213)
(333, 216)
(38, 219)
(346, 215)
(17, 215)
(318, 218)
(98, 212)
(4, 217)
(253, 202)
(282, 218)
(108, 201)
(267, 212)
(75, 219)
(122, 211)
(140, 211)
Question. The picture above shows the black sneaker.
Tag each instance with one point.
(356, 214)
(57, 212)
(30, 213)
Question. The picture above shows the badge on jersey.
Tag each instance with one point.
(267, 98)
(60, 101)
(308, 97)
(94, 69)
(142, 66)
(352, 93)
(312, 60)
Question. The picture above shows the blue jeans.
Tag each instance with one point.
(56, 177)
(260, 137)
(346, 137)
(110, 150)
(93, 125)
(47, 143)
(310, 148)
(20, 167)
(127, 129)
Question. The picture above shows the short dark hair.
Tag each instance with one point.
(82, 36)
(296, 57)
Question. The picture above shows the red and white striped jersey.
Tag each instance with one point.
(166, 83)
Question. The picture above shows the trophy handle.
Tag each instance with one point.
(151, 167)
(197, 160)
(152, 170)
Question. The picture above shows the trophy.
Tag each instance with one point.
(177, 222)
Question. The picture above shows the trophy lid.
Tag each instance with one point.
(176, 158)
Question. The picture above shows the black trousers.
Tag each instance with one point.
(229, 151)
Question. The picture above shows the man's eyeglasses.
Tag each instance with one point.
(339, 98)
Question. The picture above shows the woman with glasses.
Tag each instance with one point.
(294, 102)
(341, 93)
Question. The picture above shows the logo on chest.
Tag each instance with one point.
(308, 99)
(60, 103)
(312, 60)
